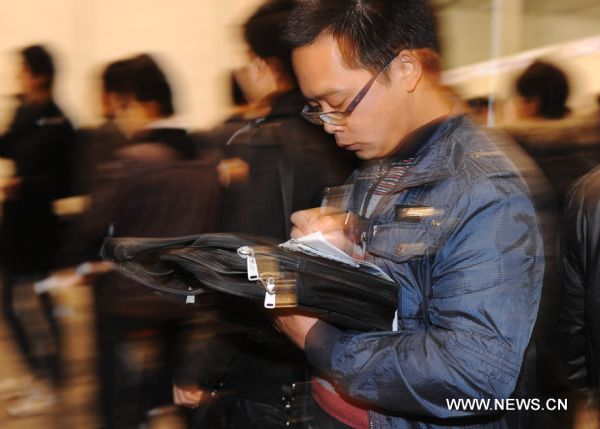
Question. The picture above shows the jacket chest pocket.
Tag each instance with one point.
(405, 232)
(399, 241)
(404, 245)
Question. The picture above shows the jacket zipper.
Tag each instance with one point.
(372, 188)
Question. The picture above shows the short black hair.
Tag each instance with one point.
(369, 32)
(38, 61)
(142, 78)
(114, 77)
(546, 83)
(264, 31)
(478, 104)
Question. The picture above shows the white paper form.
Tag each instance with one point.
(316, 244)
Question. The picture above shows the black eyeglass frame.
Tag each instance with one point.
(338, 118)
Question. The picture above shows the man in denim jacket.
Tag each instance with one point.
(438, 208)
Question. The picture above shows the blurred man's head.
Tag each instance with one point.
(543, 90)
(138, 92)
(270, 66)
(478, 109)
(37, 72)
(114, 88)
(376, 59)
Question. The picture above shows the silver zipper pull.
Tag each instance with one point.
(247, 253)
(190, 299)
(270, 293)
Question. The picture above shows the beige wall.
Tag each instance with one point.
(466, 33)
(194, 39)
(550, 29)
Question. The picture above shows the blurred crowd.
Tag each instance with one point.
(141, 174)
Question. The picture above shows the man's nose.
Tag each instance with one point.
(331, 129)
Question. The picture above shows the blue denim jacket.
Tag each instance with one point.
(460, 236)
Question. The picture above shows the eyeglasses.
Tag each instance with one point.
(313, 115)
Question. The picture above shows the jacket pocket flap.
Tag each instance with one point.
(399, 242)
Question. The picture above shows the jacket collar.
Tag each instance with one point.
(285, 104)
(433, 159)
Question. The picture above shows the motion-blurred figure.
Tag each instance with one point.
(542, 92)
(150, 186)
(275, 163)
(565, 146)
(39, 142)
(579, 323)
(98, 145)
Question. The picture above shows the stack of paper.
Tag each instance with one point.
(316, 244)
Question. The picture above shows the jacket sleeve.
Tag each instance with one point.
(485, 283)
(581, 280)
(47, 169)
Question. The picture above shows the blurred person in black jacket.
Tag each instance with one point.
(579, 324)
(39, 143)
(97, 145)
(564, 145)
(275, 163)
(543, 90)
(150, 185)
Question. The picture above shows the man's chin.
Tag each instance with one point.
(361, 150)
(362, 154)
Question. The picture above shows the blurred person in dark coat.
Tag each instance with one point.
(274, 163)
(39, 143)
(579, 324)
(565, 146)
(97, 145)
(281, 149)
(150, 185)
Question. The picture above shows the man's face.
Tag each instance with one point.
(129, 114)
(256, 79)
(382, 118)
(28, 82)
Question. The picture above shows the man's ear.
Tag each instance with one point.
(410, 69)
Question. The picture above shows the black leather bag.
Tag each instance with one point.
(192, 269)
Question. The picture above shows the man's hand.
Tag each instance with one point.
(233, 170)
(331, 222)
(189, 396)
(295, 326)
